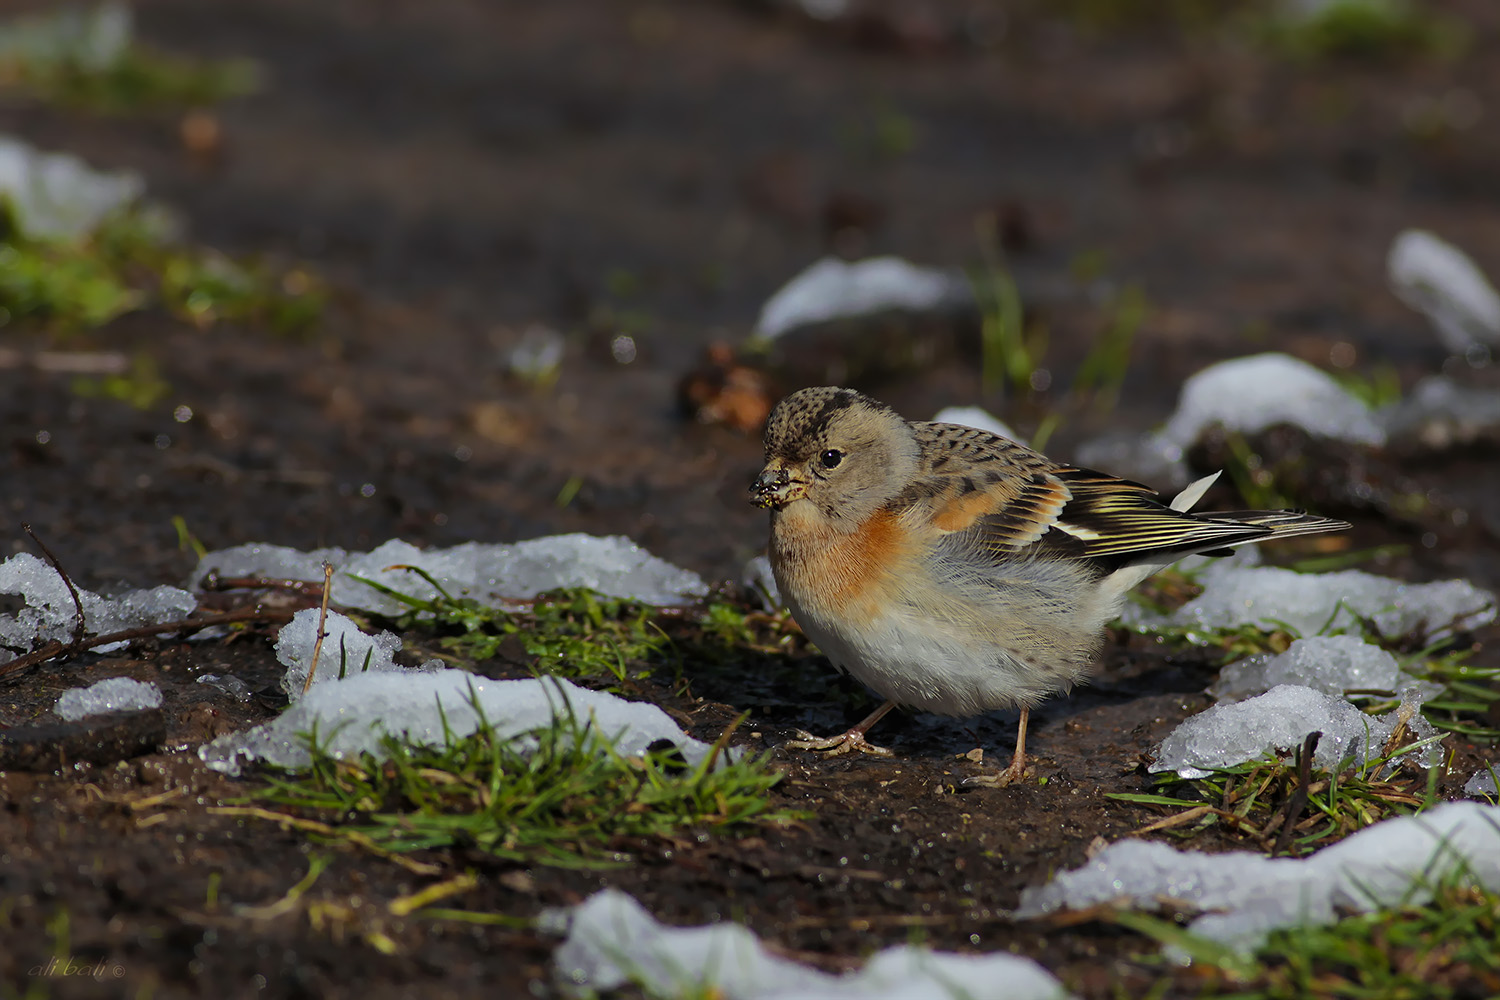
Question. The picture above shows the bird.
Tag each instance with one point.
(955, 571)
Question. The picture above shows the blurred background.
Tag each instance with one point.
(325, 274)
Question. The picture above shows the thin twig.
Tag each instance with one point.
(55, 649)
(214, 582)
(1199, 812)
(1298, 801)
(313, 826)
(78, 624)
(722, 742)
(66, 362)
(1398, 733)
(312, 668)
(406, 905)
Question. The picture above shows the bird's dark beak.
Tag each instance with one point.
(771, 487)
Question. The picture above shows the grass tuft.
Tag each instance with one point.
(129, 262)
(614, 643)
(1379, 387)
(1443, 948)
(141, 386)
(88, 59)
(562, 795)
(1469, 693)
(1287, 806)
(1013, 346)
(573, 632)
(1464, 705)
(1362, 30)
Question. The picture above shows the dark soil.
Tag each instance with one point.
(460, 169)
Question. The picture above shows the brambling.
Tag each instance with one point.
(955, 571)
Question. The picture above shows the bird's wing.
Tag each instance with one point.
(1008, 500)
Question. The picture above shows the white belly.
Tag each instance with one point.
(917, 663)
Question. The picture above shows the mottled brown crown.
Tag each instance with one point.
(800, 420)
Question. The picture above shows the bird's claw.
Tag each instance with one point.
(836, 746)
(997, 779)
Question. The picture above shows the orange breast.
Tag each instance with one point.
(847, 575)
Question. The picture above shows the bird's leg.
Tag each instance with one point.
(851, 742)
(1017, 769)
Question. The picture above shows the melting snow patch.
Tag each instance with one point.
(56, 196)
(1253, 393)
(490, 574)
(351, 717)
(832, 289)
(1440, 281)
(1244, 896)
(974, 416)
(1244, 394)
(346, 650)
(1280, 720)
(1440, 414)
(117, 694)
(538, 354)
(228, 684)
(50, 613)
(760, 580)
(612, 941)
(1313, 602)
(70, 39)
(266, 562)
(1332, 664)
(1482, 785)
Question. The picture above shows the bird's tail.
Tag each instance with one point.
(1220, 538)
(1278, 523)
(1282, 523)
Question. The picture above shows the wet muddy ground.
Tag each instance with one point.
(460, 170)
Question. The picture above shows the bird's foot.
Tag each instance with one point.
(836, 746)
(999, 779)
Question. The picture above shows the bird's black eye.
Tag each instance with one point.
(831, 458)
